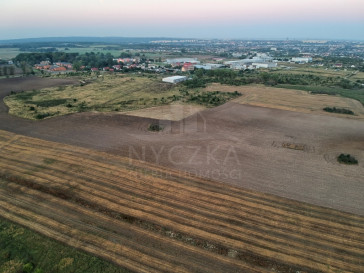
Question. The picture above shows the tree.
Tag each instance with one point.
(23, 66)
(77, 65)
(11, 70)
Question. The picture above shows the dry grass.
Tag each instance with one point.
(151, 219)
(292, 100)
(175, 111)
(108, 93)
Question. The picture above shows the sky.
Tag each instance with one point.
(226, 19)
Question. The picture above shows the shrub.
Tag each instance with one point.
(338, 110)
(347, 159)
(28, 268)
(155, 127)
(42, 115)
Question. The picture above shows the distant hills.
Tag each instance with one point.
(114, 40)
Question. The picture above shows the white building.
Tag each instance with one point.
(239, 64)
(302, 60)
(175, 79)
(208, 66)
(264, 65)
(182, 61)
(262, 57)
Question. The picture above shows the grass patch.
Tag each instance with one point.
(338, 110)
(103, 94)
(347, 159)
(48, 103)
(22, 250)
(24, 96)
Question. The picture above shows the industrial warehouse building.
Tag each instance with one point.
(302, 60)
(264, 65)
(175, 79)
(182, 61)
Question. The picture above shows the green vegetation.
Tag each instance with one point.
(209, 99)
(6, 70)
(24, 251)
(338, 110)
(347, 159)
(104, 94)
(155, 127)
(36, 58)
(356, 94)
(48, 103)
(107, 94)
(314, 83)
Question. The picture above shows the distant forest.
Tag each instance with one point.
(88, 59)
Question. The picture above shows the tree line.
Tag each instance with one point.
(230, 77)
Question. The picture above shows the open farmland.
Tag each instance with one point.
(241, 145)
(150, 219)
(290, 99)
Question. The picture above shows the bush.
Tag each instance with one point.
(155, 127)
(338, 110)
(28, 268)
(42, 115)
(347, 159)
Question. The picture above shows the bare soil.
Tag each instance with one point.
(241, 145)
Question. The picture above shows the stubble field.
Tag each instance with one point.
(151, 219)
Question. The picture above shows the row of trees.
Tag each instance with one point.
(36, 58)
(7, 70)
(88, 59)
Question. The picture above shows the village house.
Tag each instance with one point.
(188, 67)
(57, 68)
(64, 64)
(117, 67)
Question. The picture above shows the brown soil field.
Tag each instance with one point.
(237, 144)
(292, 100)
(175, 111)
(152, 219)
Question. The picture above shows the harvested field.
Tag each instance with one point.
(292, 100)
(151, 219)
(237, 144)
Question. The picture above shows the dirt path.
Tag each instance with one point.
(237, 144)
